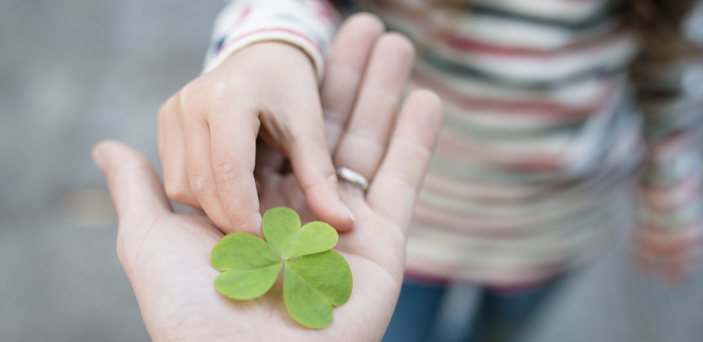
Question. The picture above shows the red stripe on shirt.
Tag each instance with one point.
(544, 109)
(470, 45)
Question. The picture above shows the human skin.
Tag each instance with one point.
(166, 255)
(208, 130)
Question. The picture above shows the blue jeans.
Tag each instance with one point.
(498, 317)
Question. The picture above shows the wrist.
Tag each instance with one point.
(281, 44)
(279, 50)
(271, 63)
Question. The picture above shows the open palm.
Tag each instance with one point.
(166, 256)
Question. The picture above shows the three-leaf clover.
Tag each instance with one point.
(315, 277)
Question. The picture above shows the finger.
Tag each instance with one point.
(233, 158)
(171, 146)
(134, 185)
(312, 166)
(400, 176)
(363, 144)
(267, 160)
(199, 170)
(345, 65)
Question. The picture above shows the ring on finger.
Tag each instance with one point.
(353, 177)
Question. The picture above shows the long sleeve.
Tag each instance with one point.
(307, 24)
(669, 84)
(539, 149)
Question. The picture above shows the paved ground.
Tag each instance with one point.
(73, 72)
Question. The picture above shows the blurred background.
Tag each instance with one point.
(74, 72)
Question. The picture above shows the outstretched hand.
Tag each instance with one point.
(166, 256)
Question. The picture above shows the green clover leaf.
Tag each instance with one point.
(250, 264)
(312, 284)
(282, 230)
(315, 278)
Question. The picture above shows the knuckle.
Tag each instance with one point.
(226, 172)
(221, 90)
(188, 92)
(200, 185)
(207, 91)
(225, 91)
(193, 93)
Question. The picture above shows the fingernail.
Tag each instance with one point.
(98, 159)
(351, 216)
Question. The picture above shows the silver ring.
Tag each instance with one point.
(353, 177)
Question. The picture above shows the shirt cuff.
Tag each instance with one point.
(279, 34)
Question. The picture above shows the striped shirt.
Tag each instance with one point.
(541, 147)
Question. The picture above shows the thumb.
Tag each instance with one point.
(134, 186)
(315, 174)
